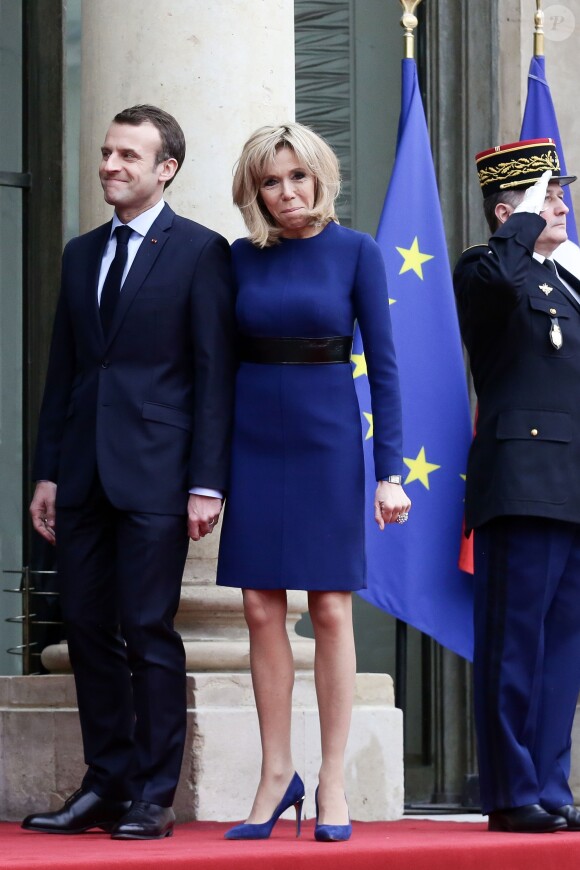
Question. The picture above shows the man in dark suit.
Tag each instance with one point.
(132, 457)
(520, 320)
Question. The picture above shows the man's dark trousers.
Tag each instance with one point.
(527, 653)
(131, 700)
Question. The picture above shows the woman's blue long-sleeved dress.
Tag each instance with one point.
(294, 514)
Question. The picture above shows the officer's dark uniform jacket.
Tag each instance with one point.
(525, 457)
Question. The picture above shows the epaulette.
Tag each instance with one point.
(470, 247)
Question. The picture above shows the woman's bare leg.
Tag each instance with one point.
(272, 667)
(334, 673)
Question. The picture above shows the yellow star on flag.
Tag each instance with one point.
(413, 259)
(420, 469)
(360, 364)
(369, 418)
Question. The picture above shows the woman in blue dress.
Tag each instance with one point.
(294, 516)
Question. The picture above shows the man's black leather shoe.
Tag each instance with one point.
(145, 821)
(529, 819)
(82, 811)
(570, 813)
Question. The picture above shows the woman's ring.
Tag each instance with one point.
(403, 517)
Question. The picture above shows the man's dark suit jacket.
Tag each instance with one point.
(525, 457)
(150, 406)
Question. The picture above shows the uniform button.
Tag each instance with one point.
(553, 311)
(105, 364)
(534, 432)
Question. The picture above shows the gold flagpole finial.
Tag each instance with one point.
(409, 23)
(538, 30)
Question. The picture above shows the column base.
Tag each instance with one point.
(227, 753)
(41, 759)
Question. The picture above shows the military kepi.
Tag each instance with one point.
(518, 165)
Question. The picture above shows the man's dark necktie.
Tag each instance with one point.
(112, 286)
(549, 264)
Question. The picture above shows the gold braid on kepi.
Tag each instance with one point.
(517, 165)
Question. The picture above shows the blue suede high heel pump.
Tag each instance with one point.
(330, 833)
(294, 796)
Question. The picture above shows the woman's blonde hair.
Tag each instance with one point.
(311, 150)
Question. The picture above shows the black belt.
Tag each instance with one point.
(295, 351)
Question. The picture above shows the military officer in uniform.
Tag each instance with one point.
(520, 321)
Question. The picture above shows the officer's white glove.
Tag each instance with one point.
(535, 196)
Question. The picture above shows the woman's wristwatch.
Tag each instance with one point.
(393, 478)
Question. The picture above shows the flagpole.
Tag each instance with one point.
(538, 30)
(409, 22)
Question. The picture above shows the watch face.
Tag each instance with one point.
(394, 478)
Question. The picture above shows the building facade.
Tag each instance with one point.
(67, 66)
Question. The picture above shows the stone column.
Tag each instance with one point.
(222, 69)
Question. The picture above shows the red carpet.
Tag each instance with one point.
(405, 845)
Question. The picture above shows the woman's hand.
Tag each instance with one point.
(392, 505)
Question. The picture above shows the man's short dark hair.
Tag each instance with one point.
(172, 138)
(510, 197)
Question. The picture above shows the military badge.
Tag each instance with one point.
(556, 334)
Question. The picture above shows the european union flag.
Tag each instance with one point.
(540, 122)
(412, 569)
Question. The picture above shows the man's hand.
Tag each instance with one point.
(202, 515)
(391, 502)
(535, 196)
(42, 509)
